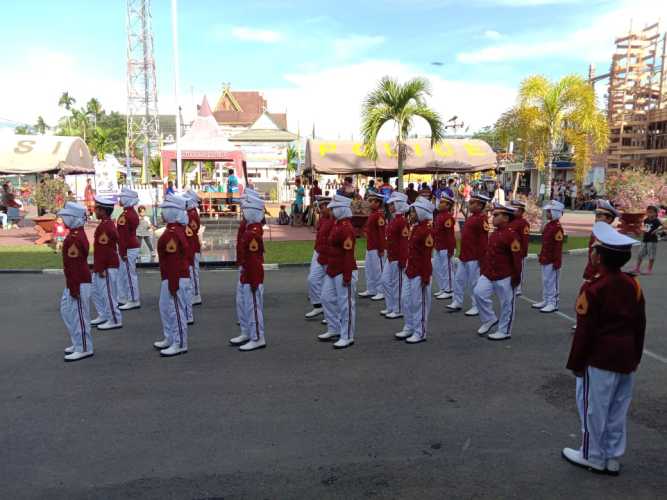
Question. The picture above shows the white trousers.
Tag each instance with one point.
(519, 289)
(239, 300)
(252, 305)
(105, 296)
(194, 275)
(467, 274)
(76, 316)
(189, 294)
(443, 270)
(172, 313)
(341, 301)
(551, 285)
(417, 304)
(373, 267)
(393, 283)
(128, 281)
(603, 400)
(483, 294)
(315, 280)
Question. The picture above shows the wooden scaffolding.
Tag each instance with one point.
(637, 100)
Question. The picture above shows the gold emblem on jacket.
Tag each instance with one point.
(254, 246)
(559, 236)
(582, 304)
(486, 226)
(121, 220)
(526, 230)
(381, 221)
(171, 246)
(448, 223)
(348, 244)
(429, 241)
(73, 252)
(406, 232)
(516, 246)
(188, 231)
(103, 239)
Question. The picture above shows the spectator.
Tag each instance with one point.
(573, 195)
(449, 190)
(169, 190)
(60, 230)
(283, 218)
(232, 185)
(370, 189)
(145, 229)
(411, 193)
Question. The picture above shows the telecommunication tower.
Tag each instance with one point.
(143, 127)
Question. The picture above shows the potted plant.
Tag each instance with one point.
(631, 191)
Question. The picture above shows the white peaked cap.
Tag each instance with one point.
(397, 196)
(192, 194)
(173, 201)
(253, 203)
(104, 200)
(554, 205)
(129, 193)
(340, 201)
(423, 203)
(603, 206)
(608, 237)
(73, 209)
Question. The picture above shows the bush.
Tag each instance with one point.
(633, 190)
(51, 195)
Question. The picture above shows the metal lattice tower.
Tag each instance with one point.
(143, 127)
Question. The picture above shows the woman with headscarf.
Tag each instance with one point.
(173, 251)
(128, 249)
(75, 301)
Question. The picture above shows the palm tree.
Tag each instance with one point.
(401, 104)
(292, 159)
(41, 125)
(23, 130)
(555, 113)
(67, 101)
(94, 109)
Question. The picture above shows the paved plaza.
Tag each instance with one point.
(455, 417)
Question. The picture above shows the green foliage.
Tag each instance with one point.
(51, 194)
(392, 101)
(209, 168)
(490, 135)
(155, 167)
(292, 159)
(41, 125)
(23, 130)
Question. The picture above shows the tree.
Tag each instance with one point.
(41, 125)
(551, 114)
(292, 159)
(401, 104)
(155, 167)
(100, 144)
(23, 130)
(94, 109)
(67, 101)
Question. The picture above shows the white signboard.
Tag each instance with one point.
(106, 175)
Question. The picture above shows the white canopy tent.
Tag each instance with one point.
(37, 154)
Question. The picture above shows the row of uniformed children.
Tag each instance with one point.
(113, 285)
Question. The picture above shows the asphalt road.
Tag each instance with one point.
(455, 417)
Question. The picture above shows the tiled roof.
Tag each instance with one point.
(252, 106)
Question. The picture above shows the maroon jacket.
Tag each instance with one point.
(443, 230)
(419, 253)
(173, 252)
(474, 237)
(398, 235)
(75, 260)
(611, 322)
(239, 234)
(324, 227)
(503, 256)
(126, 224)
(194, 223)
(591, 270)
(552, 244)
(105, 254)
(341, 250)
(375, 232)
(252, 256)
(522, 229)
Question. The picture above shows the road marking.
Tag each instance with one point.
(650, 354)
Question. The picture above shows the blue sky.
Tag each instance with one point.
(315, 60)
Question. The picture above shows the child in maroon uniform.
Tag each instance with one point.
(105, 268)
(445, 244)
(393, 276)
(173, 252)
(75, 302)
(128, 248)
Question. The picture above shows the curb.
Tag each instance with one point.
(230, 265)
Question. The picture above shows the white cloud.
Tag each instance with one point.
(355, 45)
(592, 43)
(247, 34)
(492, 34)
(332, 98)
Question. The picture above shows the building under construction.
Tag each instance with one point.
(637, 101)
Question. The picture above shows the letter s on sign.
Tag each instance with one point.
(23, 147)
